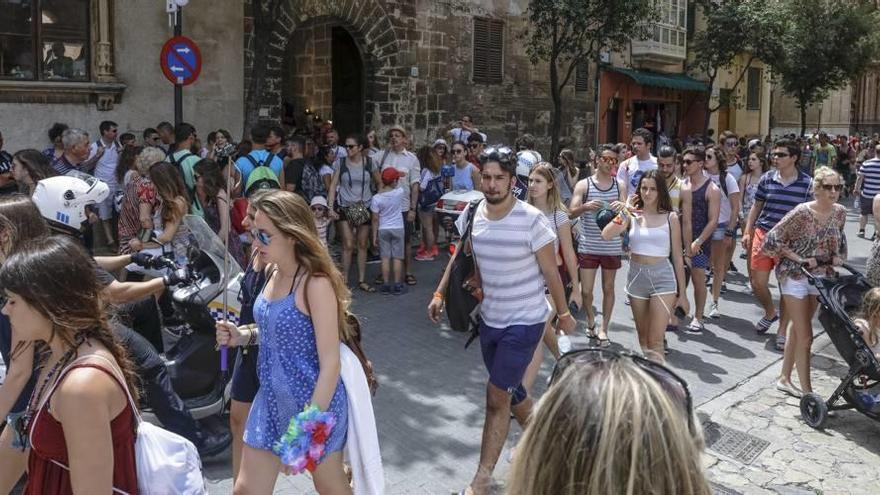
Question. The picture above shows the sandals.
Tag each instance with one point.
(695, 326)
(591, 332)
(604, 342)
(764, 324)
(366, 287)
(410, 279)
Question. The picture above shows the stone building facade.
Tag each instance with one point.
(370, 64)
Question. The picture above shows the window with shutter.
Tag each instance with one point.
(488, 50)
(582, 77)
(753, 89)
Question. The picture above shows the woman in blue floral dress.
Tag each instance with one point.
(300, 316)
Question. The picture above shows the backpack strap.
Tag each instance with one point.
(252, 160)
(268, 161)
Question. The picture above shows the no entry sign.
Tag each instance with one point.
(181, 60)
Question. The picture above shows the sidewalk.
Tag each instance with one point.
(771, 450)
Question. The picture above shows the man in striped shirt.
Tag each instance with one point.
(867, 186)
(779, 191)
(513, 246)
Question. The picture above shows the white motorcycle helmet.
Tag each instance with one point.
(526, 161)
(62, 200)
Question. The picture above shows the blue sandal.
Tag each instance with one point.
(764, 324)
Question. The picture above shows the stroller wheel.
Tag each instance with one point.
(814, 411)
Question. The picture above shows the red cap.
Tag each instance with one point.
(389, 175)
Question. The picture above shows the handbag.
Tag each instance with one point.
(464, 291)
(356, 214)
(165, 461)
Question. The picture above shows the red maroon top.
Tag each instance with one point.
(47, 445)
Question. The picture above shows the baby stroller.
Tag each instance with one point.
(838, 299)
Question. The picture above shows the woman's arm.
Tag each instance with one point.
(614, 229)
(145, 215)
(86, 402)
(326, 323)
(21, 366)
(331, 194)
(566, 240)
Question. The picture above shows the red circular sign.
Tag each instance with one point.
(181, 60)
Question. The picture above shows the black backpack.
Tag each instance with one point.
(462, 306)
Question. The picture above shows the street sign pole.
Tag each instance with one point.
(178, 88)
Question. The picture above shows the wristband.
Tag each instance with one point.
(563, 315)
(438, 295)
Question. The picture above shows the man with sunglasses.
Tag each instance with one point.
(513, 246)
(475, 145)
(151, 138)
(778, 192)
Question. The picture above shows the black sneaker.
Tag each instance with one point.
(212, 445)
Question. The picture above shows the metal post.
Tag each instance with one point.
(596, 83)
(178, 89)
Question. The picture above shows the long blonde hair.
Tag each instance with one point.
(608, 428)
(291, 215)
(548, 173)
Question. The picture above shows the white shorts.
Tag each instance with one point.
(798, 288)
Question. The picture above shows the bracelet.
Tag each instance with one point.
(563, 315)
(438, 295)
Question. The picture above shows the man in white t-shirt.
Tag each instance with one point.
(513, 244)
(397, 156)
(106, 150)
(730, 143)
(631, 170)
(465, 128)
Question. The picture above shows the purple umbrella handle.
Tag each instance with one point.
(224, 359)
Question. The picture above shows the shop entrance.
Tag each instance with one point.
(659, 117)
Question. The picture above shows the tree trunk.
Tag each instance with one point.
(709, 110)
(803, 108)
(556, 116)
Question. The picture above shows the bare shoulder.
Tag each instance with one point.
(87, 389)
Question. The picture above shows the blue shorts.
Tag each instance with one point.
(701, 260)
(507, 353)
(245, 382)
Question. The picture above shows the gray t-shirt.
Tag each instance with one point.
(354, 184)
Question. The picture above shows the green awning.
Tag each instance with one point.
(661, 80)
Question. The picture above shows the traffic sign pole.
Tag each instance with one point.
(178, 88)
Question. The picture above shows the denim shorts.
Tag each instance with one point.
(644, 281)
(391, 243)
(718, 235)
(245, 381)
(507, 353)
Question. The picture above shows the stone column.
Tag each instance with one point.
(103, 45)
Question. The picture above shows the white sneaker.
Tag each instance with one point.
(713, 311)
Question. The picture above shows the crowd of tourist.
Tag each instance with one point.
(297, 211)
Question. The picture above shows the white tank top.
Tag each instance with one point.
(649, 241)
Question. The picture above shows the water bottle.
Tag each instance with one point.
(563, 343)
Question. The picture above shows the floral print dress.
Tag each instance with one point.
(809, 237)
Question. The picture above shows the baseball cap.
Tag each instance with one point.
(319, 200)
(389, 175)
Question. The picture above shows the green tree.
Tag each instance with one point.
(566, 33)
(733, 27)
(825, 45)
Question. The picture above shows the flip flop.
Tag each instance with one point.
(604, 342)
(764, 324)
(366, 287)
(591, 332)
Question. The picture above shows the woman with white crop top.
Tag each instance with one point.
(654, 285)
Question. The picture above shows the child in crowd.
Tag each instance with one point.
(869, 323)
(388, 229)
(322, 217)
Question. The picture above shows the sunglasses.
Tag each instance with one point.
(595, 357)
(351, 146)
(832, 187)
(780, 155)
(608, 159)
(687, 161)
(457, 151)
(261, 236)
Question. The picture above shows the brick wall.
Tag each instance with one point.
(418, 65)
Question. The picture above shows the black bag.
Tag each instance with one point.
(463, 292)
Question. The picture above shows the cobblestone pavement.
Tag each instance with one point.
(430, 409)
(843, 458)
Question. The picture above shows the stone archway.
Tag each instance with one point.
(369, 26)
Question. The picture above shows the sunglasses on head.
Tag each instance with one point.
(832, 187)
(595, 357)
(261, 236)
(501, 154)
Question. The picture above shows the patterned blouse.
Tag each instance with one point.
(800, 232)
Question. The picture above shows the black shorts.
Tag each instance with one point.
(866, 205)
(245, 382)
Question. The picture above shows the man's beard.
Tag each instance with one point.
(498, 200)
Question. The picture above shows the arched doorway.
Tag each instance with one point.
(323, 77)
(348, 83)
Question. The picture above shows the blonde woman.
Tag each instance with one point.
(544, 195)
(301, 319)
(610, 423)
(808, 237)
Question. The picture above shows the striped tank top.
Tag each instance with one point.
(590, 240)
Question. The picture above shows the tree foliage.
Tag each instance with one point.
(733, 27)
(566, 33)
(825, 44)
